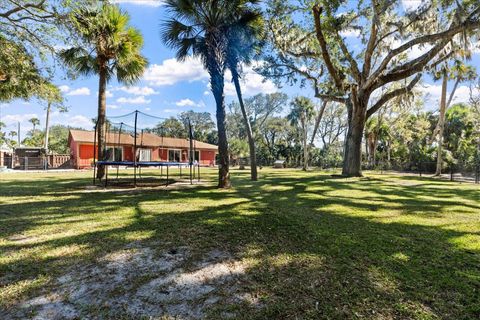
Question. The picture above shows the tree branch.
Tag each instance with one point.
(444, 35)
(370, 45)
(392, 94)
(317, 10)
(353, 64)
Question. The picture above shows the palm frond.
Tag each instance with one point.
(80, 60)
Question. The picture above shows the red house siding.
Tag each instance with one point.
(207, 157)
(127, 153)
(85, 151)
(163, 154)
(82, 155)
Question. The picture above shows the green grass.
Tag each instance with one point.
(381, 247)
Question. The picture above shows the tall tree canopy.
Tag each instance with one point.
(111, 48)
(244, 41)
(309, 36)
(200, 28)
(29, 32)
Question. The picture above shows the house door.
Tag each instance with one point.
(145, 155)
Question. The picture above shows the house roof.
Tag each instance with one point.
(143, 139)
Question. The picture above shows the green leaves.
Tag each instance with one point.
(108, 42)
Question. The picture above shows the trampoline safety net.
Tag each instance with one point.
(137, 141)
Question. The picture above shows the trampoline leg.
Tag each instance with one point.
(180, 167)
(167, 177)
(199, 172)
(106, 176)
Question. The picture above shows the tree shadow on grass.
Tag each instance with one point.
(307, 259)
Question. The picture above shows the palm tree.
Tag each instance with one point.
(460, 72)
(243, 42)
(300, 116)
(200, 28)
(35, 122)
(112, 48)
(53, 96)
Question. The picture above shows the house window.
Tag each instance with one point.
(114, 153)
(174, 155)
(197, 155)
(144, 154)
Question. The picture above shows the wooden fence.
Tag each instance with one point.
(59, 161)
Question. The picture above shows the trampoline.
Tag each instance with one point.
(121, 131)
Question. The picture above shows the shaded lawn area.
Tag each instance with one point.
(311, 246)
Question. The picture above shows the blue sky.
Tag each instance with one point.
(167, 87)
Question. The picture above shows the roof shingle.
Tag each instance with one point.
(143, 139)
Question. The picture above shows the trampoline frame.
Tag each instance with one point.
(139, 164)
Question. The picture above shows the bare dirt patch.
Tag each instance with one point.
(140, 282)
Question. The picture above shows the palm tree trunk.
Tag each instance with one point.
(102, 107)
(305, 148)
(251, 141)
(318, 120)
(47, 128)
(441, 124)
(217, 83)
(305, 153)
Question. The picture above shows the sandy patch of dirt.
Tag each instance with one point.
(140, 282)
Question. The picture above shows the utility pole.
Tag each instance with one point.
(47, 120)
(18, 133)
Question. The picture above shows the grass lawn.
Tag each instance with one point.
(293, 245)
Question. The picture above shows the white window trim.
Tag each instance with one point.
(140, 151)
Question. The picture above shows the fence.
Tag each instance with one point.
(460, 171)
(59, 161)
(55, 161)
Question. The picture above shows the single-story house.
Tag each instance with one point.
(150, 147)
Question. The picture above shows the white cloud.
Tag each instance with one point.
(10, 119)
(170, 110)
(64, 88)
(148, 109)
(138, 91)
(113, 106)
(80, 121)
(206, 93)
(84, 91)
(433, 92)
(411, 5)
(350, 33)
(137, 100)
(149, 3)
(185, 103)
(251, 83)
(172, 71)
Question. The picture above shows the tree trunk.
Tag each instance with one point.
(217, 83)
(441, 124)
(320, 113)
(353, 145)
(101, 115)
(305, 147)
(47, 128)
(248, 127)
